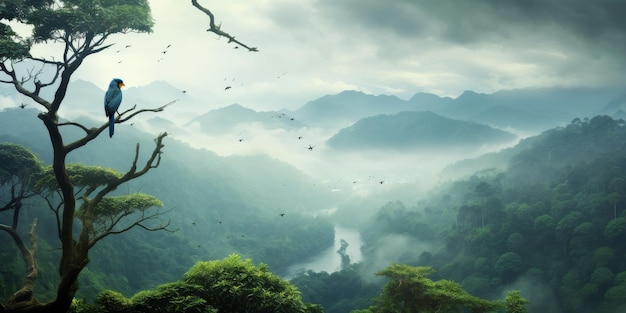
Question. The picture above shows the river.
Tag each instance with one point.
(329, 260)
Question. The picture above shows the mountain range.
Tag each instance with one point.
(521, 112)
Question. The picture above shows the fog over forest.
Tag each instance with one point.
(261, 173)
(353, 157)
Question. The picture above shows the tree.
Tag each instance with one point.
(228, 285)
(410, 290)
(82, 29)
(615, 230)
(515, 302)
(19, 169)
(508, 265)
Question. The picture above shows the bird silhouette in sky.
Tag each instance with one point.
(112, 101)
(311, 148)
(227, 87)
(23, 105)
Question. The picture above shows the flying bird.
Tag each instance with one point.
(311, 148)
(23, 105)
(112, 101)
(227, 87)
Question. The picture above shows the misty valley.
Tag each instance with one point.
(345, 199)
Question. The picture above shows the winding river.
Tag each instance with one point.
(329, 260)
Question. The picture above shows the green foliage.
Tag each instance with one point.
(337, 292)
(69, 20)
(89, 178)
(616, 295)
(11, 45)
(235, 285)
(602, 275)
(81, 176)
(229, 285)
(514, 302)
(509, 261)
(173, 297)
(19, 162)
(616, 229)
(80, 306)
(111, 206)
(113, 302)
(100, 17)
(410, 290)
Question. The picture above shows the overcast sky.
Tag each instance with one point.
(399, 47)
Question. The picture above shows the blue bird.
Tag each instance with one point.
(112, 101)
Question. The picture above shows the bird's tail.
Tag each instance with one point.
(111, 124)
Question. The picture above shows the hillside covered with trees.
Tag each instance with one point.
(552, 224)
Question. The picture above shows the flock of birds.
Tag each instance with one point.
(161, 58)
(113, 100)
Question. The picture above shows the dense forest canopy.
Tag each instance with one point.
(551, 224)
(543, 228)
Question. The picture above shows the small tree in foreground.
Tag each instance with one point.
(229, 285)
(409, 290)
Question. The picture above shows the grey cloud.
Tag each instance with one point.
(465, 22)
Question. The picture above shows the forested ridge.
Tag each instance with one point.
(552, 224)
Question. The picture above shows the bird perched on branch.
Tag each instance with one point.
(112, 101)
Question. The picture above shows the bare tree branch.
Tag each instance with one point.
(110, 228)
(159, 109)
(217, 28)
(81, 126)
(92, 133)
(20, 88)
(25, 294)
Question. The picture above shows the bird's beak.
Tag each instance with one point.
(120, 85)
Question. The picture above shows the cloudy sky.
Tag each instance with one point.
(312, 48)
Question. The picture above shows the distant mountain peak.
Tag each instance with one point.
(412, 130)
